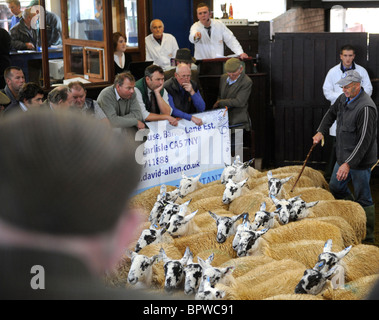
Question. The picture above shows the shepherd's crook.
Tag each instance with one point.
(305, 162)
(375, 165)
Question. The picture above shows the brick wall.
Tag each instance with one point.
(300, 20)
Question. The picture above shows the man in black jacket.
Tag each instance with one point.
(356, 144)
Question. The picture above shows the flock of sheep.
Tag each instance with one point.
(248, 236)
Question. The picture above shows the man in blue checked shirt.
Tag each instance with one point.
(184, 96)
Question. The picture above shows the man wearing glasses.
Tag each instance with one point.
(184, 96)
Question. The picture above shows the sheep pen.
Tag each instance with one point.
(286, 250)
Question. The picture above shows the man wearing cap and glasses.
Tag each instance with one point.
(356, 144)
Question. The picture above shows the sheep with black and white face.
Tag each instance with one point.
(226, 226)
(193, 273)
(173, 270)
(140, 273)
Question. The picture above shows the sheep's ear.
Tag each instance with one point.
(328, 246)
(242, 183)
(186, 256)
(197, 177)
(269, 175)
(263, 206)
(190, 216)
(329, 273)
(311, 204)
(248, 163)
(226, 165)
(154, 258)
(213, 215)
(343, 253)
(228, 270)
(163, 189)
(163, 231)
(201, 262)
(184, 176)
(285, 179)
(210, 258)
(261, 232)
(163, 255)
(242, 215)
(130, 254)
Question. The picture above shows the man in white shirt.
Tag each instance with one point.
(209, 36)
(160, 47)
(332, 90)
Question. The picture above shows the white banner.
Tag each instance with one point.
(190, 149)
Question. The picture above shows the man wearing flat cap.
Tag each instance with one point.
(234, 92)
(356, 144)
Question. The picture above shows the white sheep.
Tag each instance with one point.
(188, 185)
(328, 259)
(150, 236)
(266, 280)
(306, 229)
(275, 185)
(313, 281)
(141, 271)
(213, 275)
(237, 171)
(171, 209)
(263, 218)
(226, 226)
(209, 292)
(292, 209)
(233, 190)
(173, 270)
(193, 273)
(351, 211)
(245, 225)
(249, 242)
(181, 224)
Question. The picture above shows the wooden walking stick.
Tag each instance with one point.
(305, 162)
(375, 165)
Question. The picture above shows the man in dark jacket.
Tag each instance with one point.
(234, 92)
(356, 144)
(184, 96)
(23, 35)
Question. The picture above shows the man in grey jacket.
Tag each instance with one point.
(234, 92)
(356, 144)
(120, 104)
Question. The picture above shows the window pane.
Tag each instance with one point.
(76, 59)
(85, 19)
(131, 23)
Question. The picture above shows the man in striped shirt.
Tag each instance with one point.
(356, 144)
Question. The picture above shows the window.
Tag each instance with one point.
(354, 19)
(85, 40)
(253, 10)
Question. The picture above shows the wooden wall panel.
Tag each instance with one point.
(300, 62)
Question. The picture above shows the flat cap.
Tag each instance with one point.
(4, 100)
(349, 77)
(232, 65)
